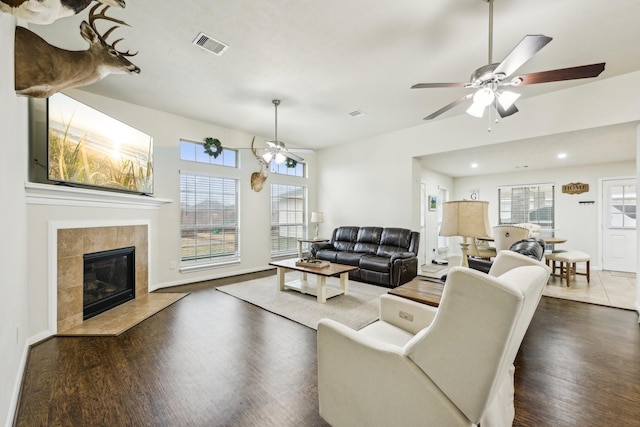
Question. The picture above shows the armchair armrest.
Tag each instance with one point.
(358, 377)
(402, 255)
(315, 247)
(404, 267)
(409, 315)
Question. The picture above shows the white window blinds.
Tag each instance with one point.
(209, 219)
(288, 206)
(527, 203)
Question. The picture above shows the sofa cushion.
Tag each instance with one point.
(349, 258)
(369, 235)
(344, 238)
(375, 263)
(394, 240)
(327, 255)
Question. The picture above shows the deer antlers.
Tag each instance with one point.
(93, 16)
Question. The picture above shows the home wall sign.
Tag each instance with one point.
(575, 188)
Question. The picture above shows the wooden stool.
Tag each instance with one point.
(568, 260)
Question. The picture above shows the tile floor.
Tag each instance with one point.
(610, 288)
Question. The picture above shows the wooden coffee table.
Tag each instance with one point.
(420, 290)
(321, 291)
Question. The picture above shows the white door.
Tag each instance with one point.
(619, 225)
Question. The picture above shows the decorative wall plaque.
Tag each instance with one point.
(575, 188)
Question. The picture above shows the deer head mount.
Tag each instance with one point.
(258, 178)
(45, 12)
(42, 69)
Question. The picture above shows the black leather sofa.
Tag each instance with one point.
(384, 256)
(532, 247)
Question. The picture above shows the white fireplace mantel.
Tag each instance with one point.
(47, 194)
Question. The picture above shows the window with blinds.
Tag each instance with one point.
(527, 203)
(288, 205)
(209, 220)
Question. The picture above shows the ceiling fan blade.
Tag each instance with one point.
(571, 73)
(506, 112)
(448, 107)
(436, 85)
(528, 46)
(293, 156)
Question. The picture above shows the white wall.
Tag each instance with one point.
(433, 183)
(576, 222)
(638, 231)
(370, 181)
(14, 314)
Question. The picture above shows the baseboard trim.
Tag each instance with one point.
(188, 281)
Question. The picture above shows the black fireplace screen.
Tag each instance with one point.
(109, 280)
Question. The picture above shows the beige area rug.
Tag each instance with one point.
(356, 310)
(125, 316)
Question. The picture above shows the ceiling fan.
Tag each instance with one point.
(489, 81)
(277, 150)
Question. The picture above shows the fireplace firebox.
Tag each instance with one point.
(109, 280)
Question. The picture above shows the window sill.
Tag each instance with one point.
(207, 266)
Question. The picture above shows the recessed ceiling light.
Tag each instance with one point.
(474, 165)
(562, 155)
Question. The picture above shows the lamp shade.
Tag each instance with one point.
(465, 218)
(317, 217)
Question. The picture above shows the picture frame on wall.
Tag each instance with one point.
(433, 203)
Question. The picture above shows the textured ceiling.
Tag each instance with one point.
(325, 59)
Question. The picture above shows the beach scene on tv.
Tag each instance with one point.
(89, 148)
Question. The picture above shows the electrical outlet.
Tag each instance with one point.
(406, 316)
(173, 265)
(17, 334)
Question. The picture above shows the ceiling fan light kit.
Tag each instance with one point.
(488, 80)
(277, 150)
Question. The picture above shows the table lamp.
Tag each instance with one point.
(465, 218)
(317, 218)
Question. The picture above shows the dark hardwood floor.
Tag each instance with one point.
(213, 360)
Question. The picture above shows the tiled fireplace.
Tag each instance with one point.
(73, 243)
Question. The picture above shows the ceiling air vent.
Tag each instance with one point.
(208, 43)
(356, 113)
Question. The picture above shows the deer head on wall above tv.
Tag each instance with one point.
(46, 12)
(42, 69)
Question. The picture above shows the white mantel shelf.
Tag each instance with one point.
(46, 194)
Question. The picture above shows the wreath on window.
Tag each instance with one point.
(291, 163)
(209, 143)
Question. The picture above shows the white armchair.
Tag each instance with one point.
(420, 365)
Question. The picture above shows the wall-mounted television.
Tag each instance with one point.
(88, 148)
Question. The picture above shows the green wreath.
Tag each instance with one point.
(291, 163)
(210, 142)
